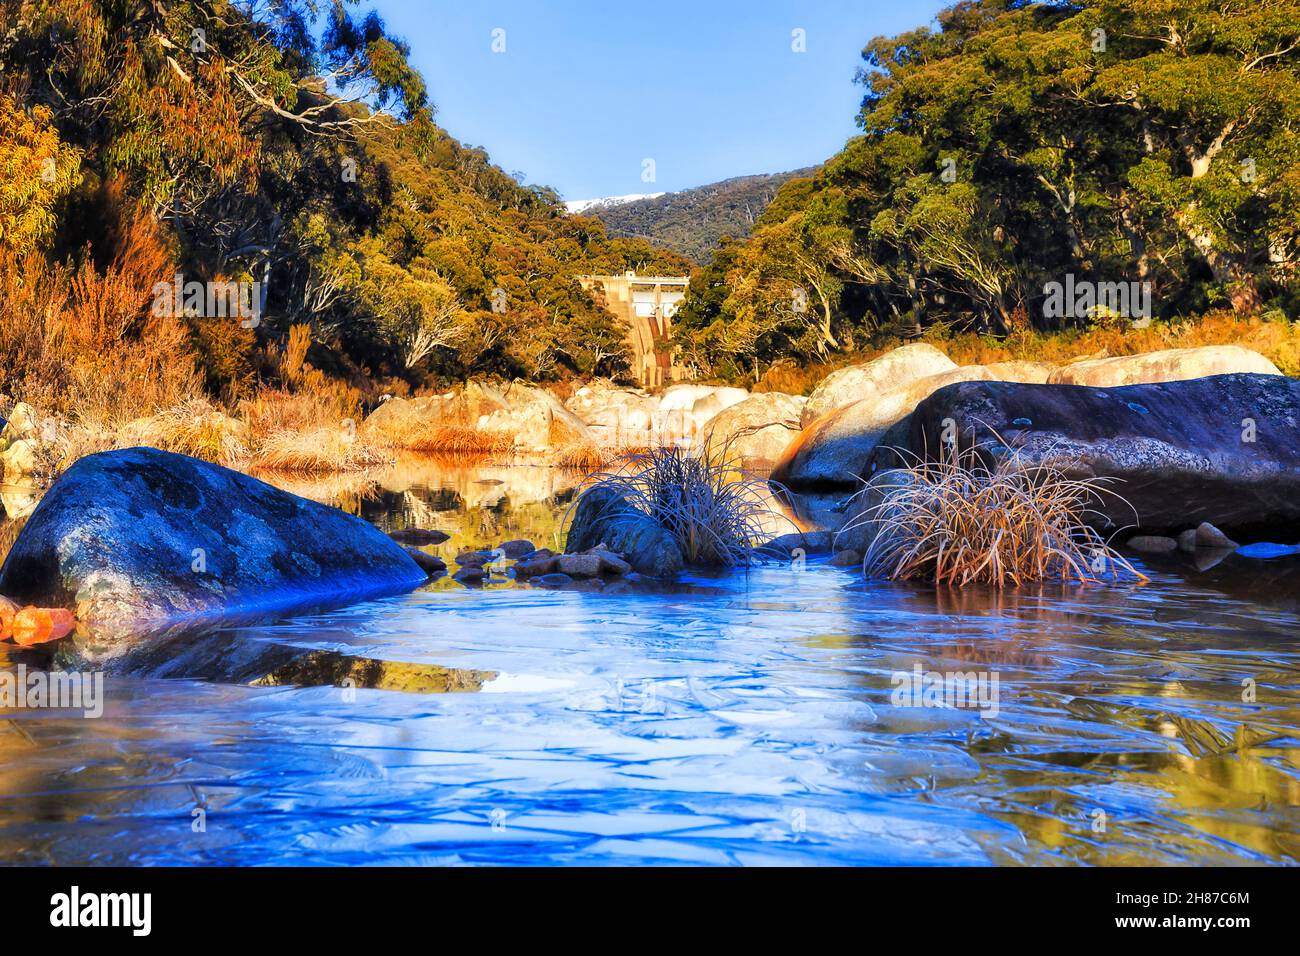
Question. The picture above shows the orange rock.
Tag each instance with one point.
(39, 625)
(7, 611)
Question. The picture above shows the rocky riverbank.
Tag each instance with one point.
(1201, 446)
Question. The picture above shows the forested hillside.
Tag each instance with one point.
(693, 221)
(142, 141)
(1015, 145)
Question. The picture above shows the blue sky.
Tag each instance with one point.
(585, 92)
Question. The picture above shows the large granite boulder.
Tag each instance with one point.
(684, 410)
(1170, 365)
(537, 421)
(1223, 449)
(603, 516)
(757, 431)
(892, 370)
(399, 419)
(1018, 371)
(833, 451)
(617, 417)
(140, 540)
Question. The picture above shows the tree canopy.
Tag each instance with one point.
(290, 143)
(1017, 143)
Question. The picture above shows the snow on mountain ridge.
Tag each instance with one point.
(585, 205)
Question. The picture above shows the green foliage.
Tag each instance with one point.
(405, 252)
(1013, 145)
(694, 221)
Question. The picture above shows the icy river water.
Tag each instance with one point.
(742, 718)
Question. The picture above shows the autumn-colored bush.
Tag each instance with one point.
(437, 438)
(83, 343)
(312, 430)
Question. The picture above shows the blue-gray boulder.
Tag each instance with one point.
(141, 540)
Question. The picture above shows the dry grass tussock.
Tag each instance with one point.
(713, 510)
(960, 520)
(435, 437)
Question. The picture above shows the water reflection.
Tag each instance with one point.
(724, 719)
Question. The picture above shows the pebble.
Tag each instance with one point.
(430, 564)
(418, 536)
(1152, 543)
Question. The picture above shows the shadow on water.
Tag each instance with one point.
(237, 657)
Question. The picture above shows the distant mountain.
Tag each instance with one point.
(589, 206)
(693, 220)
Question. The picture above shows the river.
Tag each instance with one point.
(740, 718)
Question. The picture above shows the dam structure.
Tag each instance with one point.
(645, 305)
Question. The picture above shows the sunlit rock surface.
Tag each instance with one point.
(1169, 365)
(833, 451)
(891, 370)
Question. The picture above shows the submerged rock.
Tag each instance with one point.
(430, 564)
(418, 536)
(1223, 449)
(1152, 543)
(140, 540)
(603, 517)
(554, 580)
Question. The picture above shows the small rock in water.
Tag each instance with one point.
(473, 559)
(611, 563)
(7, 611)
(470, 575)
(535, 567)
(553, 580)
(516, 549)
(430, 564)
(847, 558)
(40, 625)
(1208, 536)
(1152, 543)
(418, 536)
(1187, 541)
(579, 565)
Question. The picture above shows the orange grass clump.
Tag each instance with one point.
(960, 521)
(583, 456)
(459, 440)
